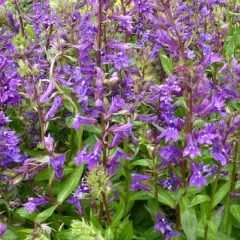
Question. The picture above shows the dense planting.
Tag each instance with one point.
(119, 120)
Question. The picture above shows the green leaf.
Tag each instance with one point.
(235, 211)
(119, 213)
(9, 235)
(211, 235)
(45, 214)
(199, 199)
(165, 198)
(68, 105)
(65, 235)
(127, 232)
(221, 193)
(24, 214)
(140, 162)
(189, 223)
(109, 235)
(166, 62)
(70, 184)
(139, 196)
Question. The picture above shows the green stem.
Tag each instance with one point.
(155, 181)
(106, 208)
(211, 203)
(127, 177)
(233, 183)
(20, 18)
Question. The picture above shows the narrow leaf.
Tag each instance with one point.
(221, 193)
(235, 211)
(70, 184)
(199, 199)
(45, 214)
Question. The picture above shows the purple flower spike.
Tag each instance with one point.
(138, 182)
(78, 120)
(57, 163)
(33, 203)
(113, 162)
(197, 179)
(164, 227)
(1, 3)
(3, 226)
(191, 149)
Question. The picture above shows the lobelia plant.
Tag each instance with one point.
(119, 120)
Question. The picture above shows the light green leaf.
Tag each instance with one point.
(45, 214)
(24, 214)
(70, 184)
(221, 193)
(109, 235)
(139, 196)
(235, 211)
(140, 162)
(119, 213)
(189, 223)
(165, 198)
(166, 62)
(199, 199)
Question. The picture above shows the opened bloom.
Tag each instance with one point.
(164, 227)
(33, 203)
(191, 149)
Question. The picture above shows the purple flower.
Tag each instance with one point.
(164, 227)
(33, 203)
(117, 105)
(3, 118)
(9, 151)
(212, 58)
(56, 104)
(121, 128)
(172, 183)
(118, 46)
(1, 3)
(139, 182)
(57, 163)
(78, 196)
(114, 162)
(3, 226)
(146, 118)
(78, 120)
(45, 96)
(49, 143)
(207, 135)
(191, 149)
(170, 155)
(169, 133)
(220, 153)
(92, 158)
(197, 179)
(236, 67)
